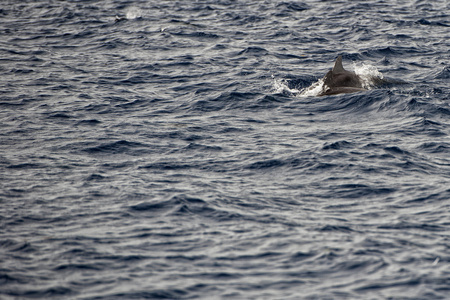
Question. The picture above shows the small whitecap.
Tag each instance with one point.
(133, 13)
(436, 261)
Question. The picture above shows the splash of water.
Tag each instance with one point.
(133, 13)
(281, 86)
(369, 74)
(313, 90)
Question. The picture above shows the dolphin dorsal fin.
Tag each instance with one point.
(338, 68)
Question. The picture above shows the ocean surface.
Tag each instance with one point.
(178, 150)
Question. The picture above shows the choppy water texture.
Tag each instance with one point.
(167, 150)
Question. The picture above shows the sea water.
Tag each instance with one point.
(167, 150)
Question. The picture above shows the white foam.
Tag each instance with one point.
(313, 90)
(133, 13)
(280, 86)
(368, 73)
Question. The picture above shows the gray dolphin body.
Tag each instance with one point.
(339, 81)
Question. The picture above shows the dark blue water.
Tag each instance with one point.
(167, 150)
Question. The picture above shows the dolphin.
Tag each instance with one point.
(339, 81)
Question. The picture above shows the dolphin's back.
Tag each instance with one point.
(339, 81)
